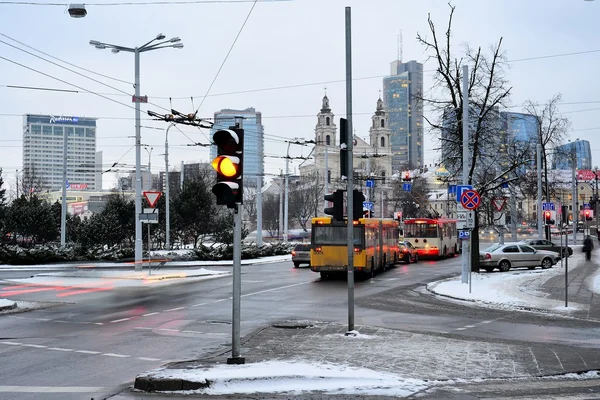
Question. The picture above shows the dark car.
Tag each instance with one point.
(408, 253)
(541, 244)
(301, 254)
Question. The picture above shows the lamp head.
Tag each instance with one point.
(94, 42)
(160, 36)
(77, 10)
(175, 40)
(178, 46)
(115, 50)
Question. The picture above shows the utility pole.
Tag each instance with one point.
(575, 201)
(466, 272)
(63, 211)
(259, 207)
(540, 223)
(350, 168)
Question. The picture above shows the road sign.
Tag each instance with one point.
(139, 99)
(152, 197)
(465, 219)
(586, 206)
(149, 216)
(370, 183)
(499, 203)
(368, 205)
(464, 235)
(407, 187)
(470, 199)
(460, 189)
(451, 189)
(586, 175)
(547, 207)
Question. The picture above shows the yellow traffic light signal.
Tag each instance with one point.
(229, 166)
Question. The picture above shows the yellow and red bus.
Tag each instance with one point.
(375, 245)
(432, 237)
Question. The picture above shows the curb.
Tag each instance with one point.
(9, 307)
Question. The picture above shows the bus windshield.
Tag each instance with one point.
(336, 235)
(421, 230)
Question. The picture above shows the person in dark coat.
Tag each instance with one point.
(588, 246)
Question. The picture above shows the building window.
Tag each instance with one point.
(382, 141)
(328, 139)
(383, 123)
(327, 121)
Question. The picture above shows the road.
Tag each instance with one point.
(93, 342)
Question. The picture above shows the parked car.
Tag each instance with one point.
(408, 252)
(301, 254)
(508, 255)
(541, 244)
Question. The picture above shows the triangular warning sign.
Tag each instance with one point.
(499, 203)
(152, 198)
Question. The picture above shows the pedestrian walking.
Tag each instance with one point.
(598, 233)
(588, 246)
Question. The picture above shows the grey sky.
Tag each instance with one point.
(299, 42)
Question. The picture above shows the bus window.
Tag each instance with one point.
(336, 235)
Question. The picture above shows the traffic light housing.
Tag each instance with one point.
(229, 166)
(343, 148)
(548, 218)
(337, 210)
(406, 176)
(588, 215)
(357, 204)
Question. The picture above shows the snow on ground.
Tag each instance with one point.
(512, 289)
(293, 377)
(6, 303)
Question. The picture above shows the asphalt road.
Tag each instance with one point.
(93, 342)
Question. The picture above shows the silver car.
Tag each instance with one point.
(508, 255)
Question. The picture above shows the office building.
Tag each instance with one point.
(253, 139)
(563, 155)
(43, 152)
(402, 100)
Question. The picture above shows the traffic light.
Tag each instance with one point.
(588, 215)
(406, 176)
(343, 148)
(337, 211)
(228, 164)
(357, 204)
(548, 218)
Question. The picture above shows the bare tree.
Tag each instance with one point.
(270, 207)
(249, 205)
(552, 128)
(495, 156)
(32, 183)
(413, 203)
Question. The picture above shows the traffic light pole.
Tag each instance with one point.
(237, 278)
(350, 170)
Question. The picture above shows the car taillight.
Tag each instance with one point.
(293, 252)
(356, 250)
(488, 256)
(405, 250)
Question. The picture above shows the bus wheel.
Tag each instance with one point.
(372, 267)
(445, 252)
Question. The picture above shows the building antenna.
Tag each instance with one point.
(399, 55)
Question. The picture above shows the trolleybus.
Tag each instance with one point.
(375, 245)
(432, 237)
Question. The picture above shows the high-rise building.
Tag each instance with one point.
(563, 155)
(43, 151)
(253, 139)
(402, 99)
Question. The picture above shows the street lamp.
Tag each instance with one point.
(151, 45)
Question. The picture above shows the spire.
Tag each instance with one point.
(380, 110)
(325, 108)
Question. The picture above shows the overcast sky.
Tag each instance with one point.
(296, 43)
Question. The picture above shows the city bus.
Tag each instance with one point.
(432, 237)
(375, 245)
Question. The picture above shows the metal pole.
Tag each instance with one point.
(567, 271)
(280, 230)
(285, 206)
(575, 200)
(181, 175)
(326, 174)
(539, 192)
(63, 211)
(513, 214)
(465, 164)
(259, 207)
(237, 279)
(17, 174)
(149, 183)
(149, 258)
(138, 174)
(167, 190)
(349, 143)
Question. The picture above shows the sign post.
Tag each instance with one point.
(150, 216)
(468, 200)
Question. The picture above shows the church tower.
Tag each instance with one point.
(379, 132)
(325, 131)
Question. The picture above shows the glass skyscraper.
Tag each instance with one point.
(402, 92)
(253, 139)
(43, 151)
(563, 155)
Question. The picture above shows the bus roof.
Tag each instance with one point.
(363, 221)
(428, 220)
